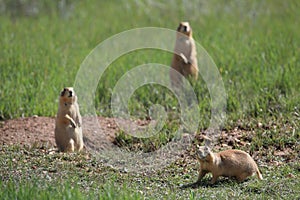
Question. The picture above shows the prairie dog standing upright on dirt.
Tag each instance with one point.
(184, 59)
(68, 131)
(230, 163)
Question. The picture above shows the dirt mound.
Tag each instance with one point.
(31, 130)
(99, 134)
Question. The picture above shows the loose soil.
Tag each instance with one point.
(40, 130)
(100, 132)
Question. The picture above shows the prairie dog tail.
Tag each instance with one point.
(72, 122)
(259, 176)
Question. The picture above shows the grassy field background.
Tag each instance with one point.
(255, 45)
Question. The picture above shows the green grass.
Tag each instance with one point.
(255, 45)
(32, 190)
(28, 173)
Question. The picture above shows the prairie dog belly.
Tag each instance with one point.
(184, 60)
(183, 46)
(68, 130)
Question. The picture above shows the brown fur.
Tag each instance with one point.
(184, 59)
(229, 163)
(68, 131)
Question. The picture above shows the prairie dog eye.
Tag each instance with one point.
(63, 92)
(206, 148)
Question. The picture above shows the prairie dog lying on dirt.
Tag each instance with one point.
(230, 163)
(184, 59)
(68, 131)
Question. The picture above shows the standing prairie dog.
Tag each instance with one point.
(68, 131)
(230, 163)
(184, 59)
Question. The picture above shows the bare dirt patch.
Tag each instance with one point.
(31, 130)
(99, 133)
(26, 131)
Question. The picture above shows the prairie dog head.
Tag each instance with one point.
(203, 152)
(185, 28)
(67, 96)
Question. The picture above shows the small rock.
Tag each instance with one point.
(291, 176)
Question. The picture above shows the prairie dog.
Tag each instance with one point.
(68, 131)
(230, 163)
(184, 59)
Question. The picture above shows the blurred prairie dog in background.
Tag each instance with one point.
(229, 163)
(185, 56)
(68, 130)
